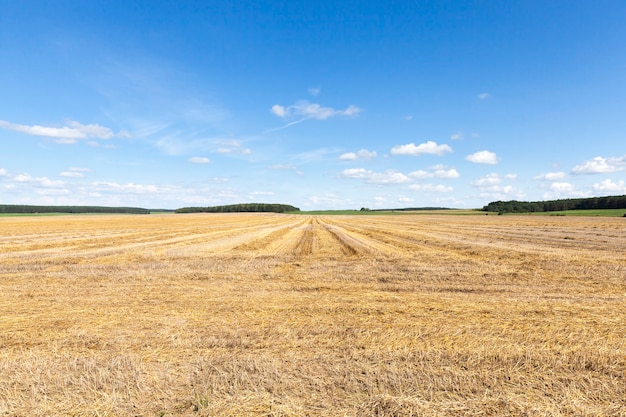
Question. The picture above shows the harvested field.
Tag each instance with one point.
(281, 315)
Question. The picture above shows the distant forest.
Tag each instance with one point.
(21, 209)
(239, 208)
(593, 203)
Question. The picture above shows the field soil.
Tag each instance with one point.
(295, 315)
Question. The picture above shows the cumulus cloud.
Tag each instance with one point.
(362, 154)
(25, 179)
(560, 189)
(74, 172)
(491, 187)
(600, 165)
(429, 147)
(483, 157)
(199, 160)
(379, 178)
(608, 186)
(438, 171)
(488, 180)
(551, 176)
(69, 134)
(306, 110)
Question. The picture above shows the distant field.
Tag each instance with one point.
(390, 212)
(605, 212)
(308, 315)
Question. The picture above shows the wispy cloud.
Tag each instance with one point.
(313, 111)
(304, 110)
(600, 165)
(256, 194)
(71, 133)
(234, 147)
(199, 160)
(361, 154)
(483, 96)
(314, 91)
(74, 172)
(483, 157)
(457, 136)
(429, 147)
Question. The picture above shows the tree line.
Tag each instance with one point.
(592, 203)
(241, 208)
(26, 209)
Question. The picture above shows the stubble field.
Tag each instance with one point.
(281, 315)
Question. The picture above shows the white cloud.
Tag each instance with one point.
(431, 188)
(483, 96)
(132, 188)
(362, 154)
(232, 147)
(26, 179)
(379, 178)
(69, 134)
(350, 156)
(491, 187)
(483, 157)
(74, 172)
(279, 110)
(600, 165)
(199, 160)
(610, 186)
(245, 151)
(551, 176)
(438, 171)
(487, 181)
(305, 110)
(255, 194)
(562, 187)
(447, 173)
(564, 190)
(457, 136)
(429, 147)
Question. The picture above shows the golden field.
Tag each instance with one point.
(295, 315)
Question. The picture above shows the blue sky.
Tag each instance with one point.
(323, 105)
